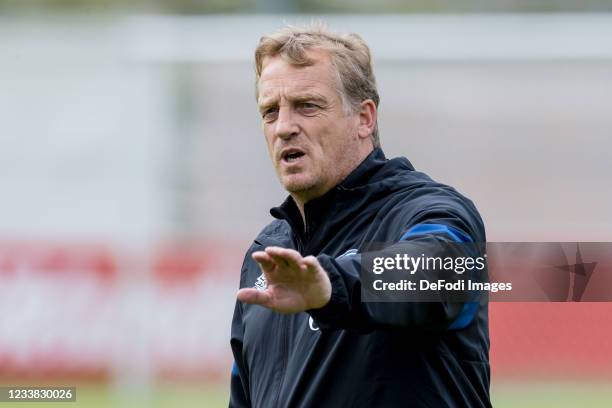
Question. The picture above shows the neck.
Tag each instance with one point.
(302, 199)
(300, 205)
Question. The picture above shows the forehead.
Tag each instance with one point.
(278, 76)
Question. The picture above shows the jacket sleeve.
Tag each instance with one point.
(239, 393)
(346, 310)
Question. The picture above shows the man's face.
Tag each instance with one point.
(311, 140)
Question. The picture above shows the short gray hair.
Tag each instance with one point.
(349, 53)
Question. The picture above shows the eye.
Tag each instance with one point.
(270, 115)
(308, 108)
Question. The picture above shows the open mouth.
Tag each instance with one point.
(291, 155)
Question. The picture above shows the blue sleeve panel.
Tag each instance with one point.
(470, 309)
(235, 370)
(420, 229)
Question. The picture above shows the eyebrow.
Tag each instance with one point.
(302, 97)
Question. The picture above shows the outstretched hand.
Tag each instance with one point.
(294, 283)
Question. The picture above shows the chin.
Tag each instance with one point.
(298, 183)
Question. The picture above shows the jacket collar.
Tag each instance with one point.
(323, 209)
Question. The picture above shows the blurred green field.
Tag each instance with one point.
(551, 394)
(504, 395)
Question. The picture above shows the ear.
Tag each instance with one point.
(368, 115)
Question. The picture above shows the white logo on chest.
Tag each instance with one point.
(311, 324)
(261, 283)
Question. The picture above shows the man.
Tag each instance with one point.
(301, 334)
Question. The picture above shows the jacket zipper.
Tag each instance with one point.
(284, 353)
(284, 329)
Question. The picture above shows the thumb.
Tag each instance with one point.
(254, 296)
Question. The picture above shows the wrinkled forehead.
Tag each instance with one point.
(278, 75)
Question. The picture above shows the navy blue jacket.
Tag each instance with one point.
(364, 354)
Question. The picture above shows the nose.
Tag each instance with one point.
(286, 127)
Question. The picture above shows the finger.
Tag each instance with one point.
(312, 263)
(285, 252)
(263, 259)
(254, 296)
(285, 257)
(268, 265)
(287, 267)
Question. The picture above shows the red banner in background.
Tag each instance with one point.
(551, 340)
(94, 259)
(101, 312)
(94, 311)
